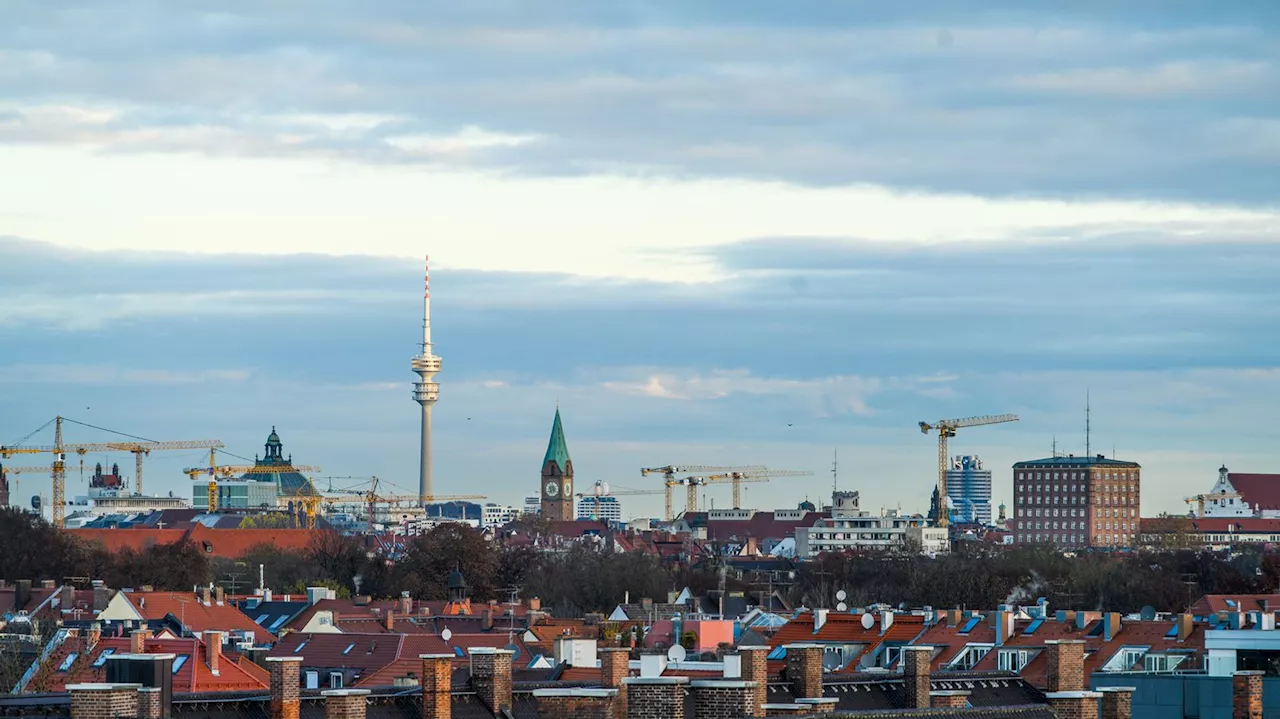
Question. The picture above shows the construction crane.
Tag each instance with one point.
(670, 471)
(373, 498)
(601, 489)
(760, 475)
(946, 429)
(60, 450)
(214, 470)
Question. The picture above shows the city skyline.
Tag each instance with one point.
(723, 235)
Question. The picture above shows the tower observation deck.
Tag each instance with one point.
(426, 391)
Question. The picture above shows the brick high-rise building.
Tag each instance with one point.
(1076, 501)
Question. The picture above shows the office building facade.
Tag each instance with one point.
(1076, 502)
(969, 490)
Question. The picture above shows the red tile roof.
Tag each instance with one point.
(195, 615)
(844, 628)
(1260, 490)
(235, 672)
(1215, 603)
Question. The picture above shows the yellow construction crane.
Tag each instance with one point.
(60, 451)
(753, 475)
(947, 429)
(601, 489)
(214, 470)
(373, 498)
(670, 471)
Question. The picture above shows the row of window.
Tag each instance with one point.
(1100, 539)
(1123, 526)
(1098, 500)
(1121, 475)
(1103, 513)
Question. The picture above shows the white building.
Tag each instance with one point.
(533, 504)
(605, 509)
(496, 515)
(851, 527)
(1240, 495)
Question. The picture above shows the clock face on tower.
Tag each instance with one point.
(550, 489)
(568, 489)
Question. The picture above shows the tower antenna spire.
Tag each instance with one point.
(426, 391)
(1088, 451)
(835, 466)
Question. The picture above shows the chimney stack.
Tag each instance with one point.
(203, 594)
(1111, 626)
(219, 595)
(345, 703)
(1246, 695)
(535, 604)
(138, 641)
(1004, 625)
(286, 687)
(92, 636)
(755, 668)
(1186, 623)
(650, 697)
(1074, 704)
(89, 701)
(1065, 670)
(1117, 702)
(491, 677)
(437, 686)
(804, 670)
(615, 667)
(389, 620)
(406, 604)
(915, 675)
(213, 650)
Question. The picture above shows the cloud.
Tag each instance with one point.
(1015, 102)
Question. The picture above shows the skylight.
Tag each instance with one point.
(1031, 629)
(177, 663)
(458, 651)
(304, 643)
(969, 625)
(102, 658)
(1231, 603)
(261, 618)
(276, 624)
(350, 646)
(779, 652)
(1173, 632)
(66, 663)
(1097, 629)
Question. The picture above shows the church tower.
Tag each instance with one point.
(556, 489)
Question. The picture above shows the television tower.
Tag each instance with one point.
(425, 391)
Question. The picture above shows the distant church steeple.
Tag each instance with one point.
(557, 476)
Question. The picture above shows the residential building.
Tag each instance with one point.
(969, 491)
(1076, 502)
(496, 515)
(605, 509)
(1209, 532)
(849, 527)
(532, 504)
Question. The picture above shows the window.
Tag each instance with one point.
(970, 656)
(1012, 660)
(179, 661)
(276, 624)
(1124, 659)
(66, 663)
(968, 627)
(350, 646)
(313, 679)
(335, 680)
(304, 643)
(261, 618)
(102, 658)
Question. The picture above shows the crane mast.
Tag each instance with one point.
(946, 429)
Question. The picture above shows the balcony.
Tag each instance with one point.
(426, 391)
(425, 363)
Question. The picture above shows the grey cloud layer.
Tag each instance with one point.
(970, 97)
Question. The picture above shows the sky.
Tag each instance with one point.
(730, 233)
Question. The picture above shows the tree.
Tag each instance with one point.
(338, 557)
(431, 557)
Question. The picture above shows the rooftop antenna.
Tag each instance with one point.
(1088, 451)
(1055, 446)
(835, 466)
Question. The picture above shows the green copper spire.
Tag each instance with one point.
(557, 450)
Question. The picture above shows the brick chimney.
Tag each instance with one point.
(406, 604)
(586, 703)
(345, 703)
(437, 686)
(138, 641)
(755, 668)
(213, 650)
(804, 669)
(915, 675)
(1186, 623)
(1117, 702)
(655, 697)
(726, 698)
(487, 622)
(1065, 665)
(203, 595)
(535, 604)
(957, 699)
(1074, 704)
(389, 620)
(615, 666)
(91, 701)
(286, 687)
(1246, 695)
(491, 677)
(219, 595)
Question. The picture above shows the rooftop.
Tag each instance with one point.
(1073, 461)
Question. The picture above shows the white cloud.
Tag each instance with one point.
(115, 375)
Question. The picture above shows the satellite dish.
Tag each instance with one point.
(868, 621)
(447, 634)
(841, 595)
(1148, 613)
(842, 607)
(676, 653)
